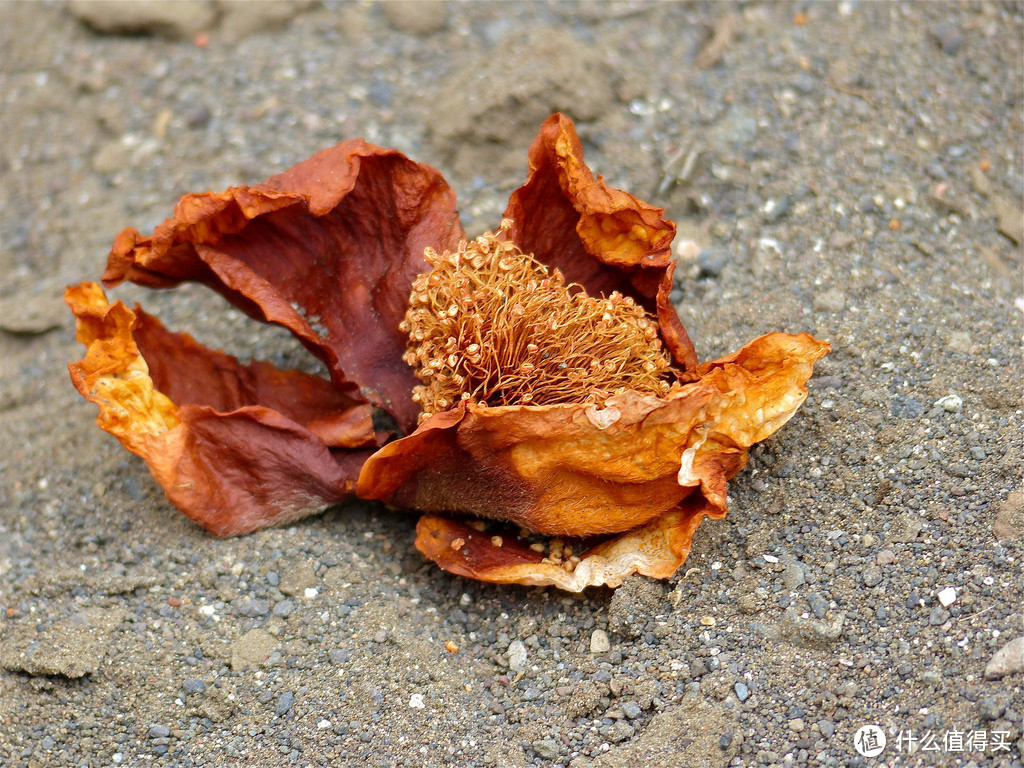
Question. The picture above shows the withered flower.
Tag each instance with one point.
(556, 425)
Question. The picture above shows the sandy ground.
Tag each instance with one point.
(851, 170)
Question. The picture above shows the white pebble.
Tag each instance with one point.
(324, 725)
(770, 558)
(950, 403)
(947, 596)
(599, 642)
(310, 592)
(517, 656)
(416, 701)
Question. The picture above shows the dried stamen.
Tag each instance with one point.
(492, 324)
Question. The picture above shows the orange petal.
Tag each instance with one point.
(655, 549)
(328, 249)
(261, 461)
(603, 238)
(577, 470)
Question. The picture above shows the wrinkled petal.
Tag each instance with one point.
(328, 249)
(655, 549)
(577, 470)
(235, 447)
(600, 237)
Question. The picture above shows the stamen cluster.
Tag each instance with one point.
(492, 324)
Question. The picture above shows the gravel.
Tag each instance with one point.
(850, 169)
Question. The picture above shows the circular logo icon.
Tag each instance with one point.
(869, 740)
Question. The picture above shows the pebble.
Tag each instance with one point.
(159, 732)
(617, 731)
(255, 608)
(906, 407)
(793, 576)
(872, 576)
(599, 642)
(947, 596)
(712, 261)
(631, 709)
(284, 704)
(885, 557)
(818, 604)
(517, 656)
(546, 748)
(284, 609)
(937, 616)
(416, 17)
(950, 403)
(949, 38)
(826, 728)
(193, 686)
(1008, 660)
(178, 19)
(992, 707)
(297, 579)
(742, 692)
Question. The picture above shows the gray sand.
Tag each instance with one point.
(851, 170)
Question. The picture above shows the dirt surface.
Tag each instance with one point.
(852, 170)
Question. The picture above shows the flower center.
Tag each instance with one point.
(492, 324)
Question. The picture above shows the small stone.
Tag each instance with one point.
(872, 576)
(297, 579)
(947, 596)
(254, 647)
(931, 677)
(254, 608)
(159, 732)
(339, 655)
(797, 725)
(938, 616)
(546, 748)
(631, 709)
(906, 407)
(980, 181)
(240, 20)
(416, 17)
(193, 686)
(885, 557)
(775, 209)
(599, 642)
(176, 19)
(712, 261)
(826, 728)
(1009, 219)
(742, 692)
(992, 707)
(284, 609)
(906, 527)
(950, 403)
(1008, 660)
(793, 576)
(517, 656)
(958, 341)
(416, 701)
(818, 604)
(48, 742)
(949, 37)
(617, 731)
(380, 636)
(284, 704)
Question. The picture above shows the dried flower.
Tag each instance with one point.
(548, 395)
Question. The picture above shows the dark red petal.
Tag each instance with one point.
(328, 249)
(234, 470)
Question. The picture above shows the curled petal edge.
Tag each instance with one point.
(232, 472)
(655, 549)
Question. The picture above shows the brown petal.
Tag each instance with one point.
(576, 470)
(328, 249)
(236, 448)
(600, 237)
(655, 549)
